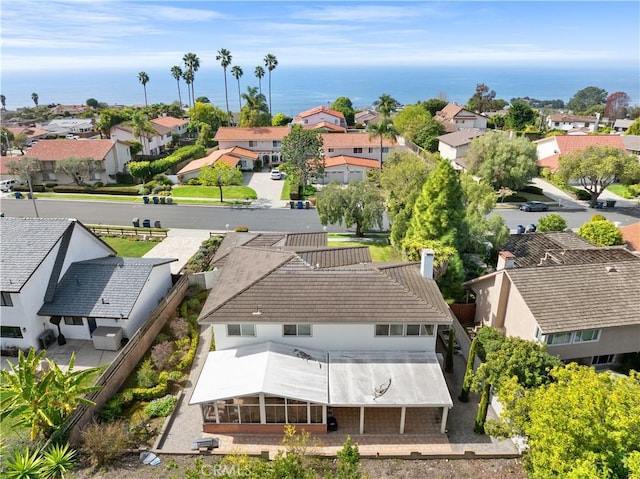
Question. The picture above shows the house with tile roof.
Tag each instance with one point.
(573, 123)
(453, 146)
(165, 127)
(108, 158)
(551, 149)
(345, 169)
(56, 276)
(320, 114)
(235, 157)
(455, 117)
(367, 117)
(579, 300)
(308, 333)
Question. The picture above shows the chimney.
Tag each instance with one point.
(506, 260)
(426, 263)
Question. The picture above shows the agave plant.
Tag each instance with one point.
(57, 461)
(25, 465)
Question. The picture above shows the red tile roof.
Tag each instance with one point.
(326, 125)
(570, 143)
(29, 132)
(3, 163)
(631, 235)
(352, 140)
(54, 150)
(230, 156)
(169, 121)
(319, 109)
(229, 133)
(350, 160)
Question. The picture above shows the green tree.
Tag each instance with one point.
(468, 372)
(586, 98)
(270, 62)
(382, 130)
(237, 73)
(484, 100)
(109, 118)
(259, 73)
(280, 119)
(220, 174)
(343, 105)
(598, 166)
(519, 116)
(43, 400)
(92, 102)
(634, 129)
(224, 57)
(601, 233)
(35, 98)
(551, 222)
(188, 79)
(301, 154)
(360, 204)
(176, 73)
(348, 461)
(386, 105)
(434, 105)
(143, 78)
(78, 169)
(209, 114)
(141, 127)
(502, 161)
(192, 64)
(580, 421)
(416, 124)
(255, 111)
(448, 363)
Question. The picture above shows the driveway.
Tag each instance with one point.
(268, 190)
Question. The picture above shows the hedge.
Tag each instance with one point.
(103, 190)
(191, 354)
(34, 188)
(143, 169)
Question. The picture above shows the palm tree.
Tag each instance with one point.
(237, 72)
(271, 62)
(383, 129)
(3, 100)
(386, 105)
(188, 79)
(144, 79)
(192, 63)
(255, 108)
(34, 97)
(140, 126)
(176, 73)
(259, 73)
(224, 57)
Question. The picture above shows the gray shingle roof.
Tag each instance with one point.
(569, 298)
(25, 243)
(335, 257)
(104, 287)
(530, 248)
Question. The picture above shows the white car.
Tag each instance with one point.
(72, 137)
(276, 174)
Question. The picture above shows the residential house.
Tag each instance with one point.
(69, 109)
(164, 128)
(318, 115)
(345, 169)
(266, 141)
(356, 144)
(367, 117)
(33, 134)
(455, 117)
(632, 144)
(453, 146)
(66, 126)
(551, 149)
(573, 123)
(108, 158)
(622, 124)
(553, 288)
(631, 236)
(235, 157)
(352, 341)
(5, 174)
(57, 272)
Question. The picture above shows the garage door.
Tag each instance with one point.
(355, 175)
(334, 176)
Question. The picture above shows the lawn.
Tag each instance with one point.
(213, 192)
(380, 250)
(129, 247)
(80, 196)
(622, 191)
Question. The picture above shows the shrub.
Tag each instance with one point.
(104, 190)
(104, 443)
(583, 195)
(193, 182)
(161, 355)
(143, 190)
(112, 409)
(601, 233)
(34, 188)
(161, 338)
(161, 407)
(257, 165)
(598, 217)
(191, 354)
(179, 328)
(124, 178)
(147, 376)
(98, 184)
(552, 222)
(175, 376)
(532, 189)
(241, 229)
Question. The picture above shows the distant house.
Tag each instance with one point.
(69, 109)
(32, 133)
(320, 114)
(265, 141)
(573, 123)
(345, 169)
(559, 290)
(622, 124)
(356, 145)
(64, 126)
(354, 341)
(234, 157)
(632, 143)
(455, 117)
(551, 149)
(109, 158)
(153, 143)
(631, 236)
(55, 271)
(453, 146)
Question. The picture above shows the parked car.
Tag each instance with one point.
(6, 185)
(72, 137)
(534, 206)
(276, 174)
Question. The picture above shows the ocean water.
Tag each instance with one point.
(297, 89)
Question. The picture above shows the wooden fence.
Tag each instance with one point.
(135, 232)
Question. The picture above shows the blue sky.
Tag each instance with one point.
(92, 34)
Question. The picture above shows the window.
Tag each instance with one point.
(241, 329)
(559, 338)
(306, 121)
(604, 359)
(404, 330)
(357, 150)
(586, 336)
(73, 321)
(276, 143)
(586, 125)
(296, 329)
(6, 299)
(330, 150)
(10, 332)
(419, 330)
(370, 150)
(557, 123)
(253, 144)
(538, 335)
(385, 149)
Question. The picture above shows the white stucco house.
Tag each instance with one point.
(153, 143)
(320, 115)
(345, 169)
(550, 149)
(235, 157)
(573, 123)
(57, 272)
(455, 117)
(353, 340)
(453, 146)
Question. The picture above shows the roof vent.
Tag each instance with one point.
(611, 269)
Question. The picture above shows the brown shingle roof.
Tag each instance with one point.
(55, 150)
(459, 138)
(330, 257)
(530, 248)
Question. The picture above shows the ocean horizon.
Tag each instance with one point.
(295, 89)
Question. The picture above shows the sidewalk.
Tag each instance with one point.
(566, 201)
(179, 243)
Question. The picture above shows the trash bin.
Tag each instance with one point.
(520, 229)
(136, 222)
(29, 196)
(610, 203)
(291, 204)
(156, 200)
(169, 200)
(145, 199)
(306, 205)
(18, 195)
(531, 228)
(163, 200)
(156, 224)
(146, 223)
(299, 204)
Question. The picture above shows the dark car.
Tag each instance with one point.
(534, 206)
